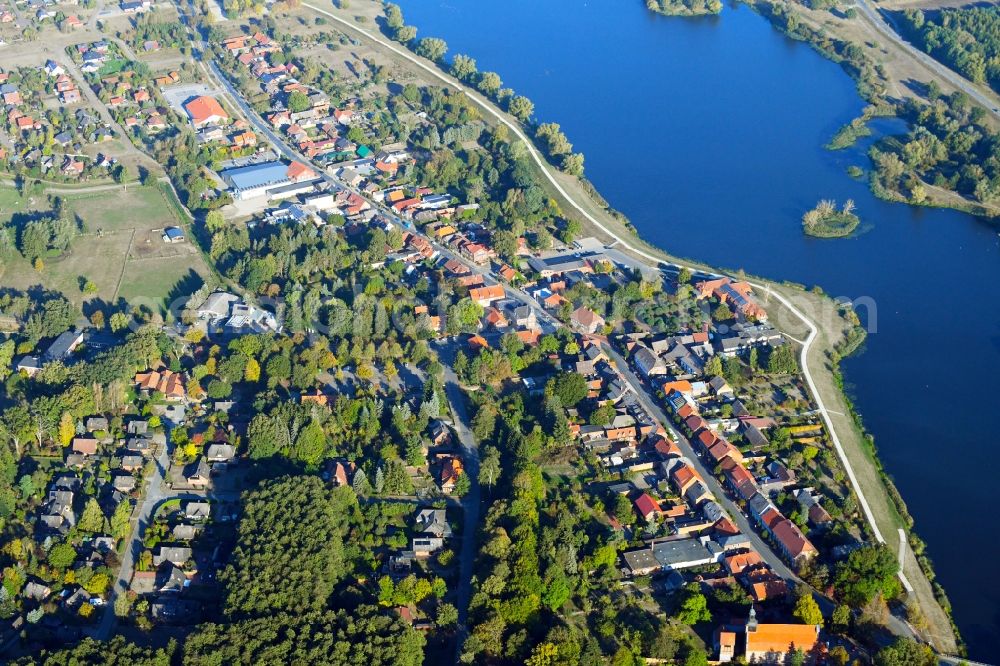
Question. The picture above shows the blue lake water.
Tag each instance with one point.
(708, 134)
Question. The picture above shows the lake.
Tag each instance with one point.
(707, 133)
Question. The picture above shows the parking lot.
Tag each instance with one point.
(177, 95)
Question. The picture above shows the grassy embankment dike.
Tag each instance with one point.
(835, 336)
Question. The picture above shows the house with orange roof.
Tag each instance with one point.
(477, 342)
(156, 122)
(766, 643)
(486, 295)
(553, 301)
(507, 273)
(495, 318)
(317, 398)
(723, 450)
(737, 295)
(707, 439)
(738, 478)
(666, 448)
(204, 110)
(245, 139)
(167, 382)
(450, 471)
(530, 338)
(680, 385)
(737, 562)
(683, 477)
(297, 172)
(85, 445)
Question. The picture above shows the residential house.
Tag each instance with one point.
(451, 470)
(586, 320)
(204, 110)
(647, 507)
(123, 483)
(197, 510)
(176, 555)
(198, 473)
(85, 445)
(220, 452)
(433, 522)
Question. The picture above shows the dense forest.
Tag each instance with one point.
(967, 40)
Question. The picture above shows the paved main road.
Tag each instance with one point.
(876, 19)
(156, 494)
(470, 502)
(140, 521)
(721, 496)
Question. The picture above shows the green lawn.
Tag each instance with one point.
(120, 248)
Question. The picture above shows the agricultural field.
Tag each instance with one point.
(118, 246)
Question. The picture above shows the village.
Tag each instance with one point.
(679, 410)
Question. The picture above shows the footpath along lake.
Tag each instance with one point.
(708, 133)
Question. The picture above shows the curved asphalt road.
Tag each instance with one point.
(951, 76)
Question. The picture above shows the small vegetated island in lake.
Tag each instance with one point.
(685, 7)
(825, 221)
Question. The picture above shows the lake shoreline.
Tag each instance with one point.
(832, 335)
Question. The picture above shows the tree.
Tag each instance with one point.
(98, 583)
(603, 415)
(214, 222)
(806, 608)
(569, 387)
(405, 34)
(298, 101)
(120, 519)
(781, 360)
(463, 68)
(360, 483)
(120, 173)
(694, 607)
(393, 16)
(7, 349)
(544, 654)
(366, 634)
(447, 615)
(841, 619)
(868, 571)
(92, 519)
(553, 139)
(431, 48)
(119, 321)
(90, 651)
(289, 550)
(905, 651)
(62, 556)
(520, 107)
(67, 429)
(252, 371)
(219, 389)
(572, 164)
(489, 466)
(622, 508)
(489, 83)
